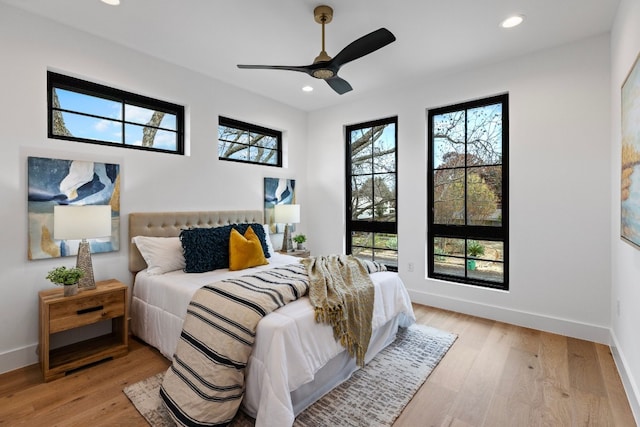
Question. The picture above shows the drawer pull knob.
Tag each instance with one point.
(90, 309)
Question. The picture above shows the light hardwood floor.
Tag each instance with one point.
(494, 375)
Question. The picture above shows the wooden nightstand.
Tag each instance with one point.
(59, 313)
(300, 253)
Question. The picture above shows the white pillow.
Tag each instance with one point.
(162, 254)
(268, 239)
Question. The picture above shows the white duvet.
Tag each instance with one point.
(286, 370)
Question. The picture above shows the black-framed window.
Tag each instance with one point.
(79, 110)
(244, 142)
(468, 200)
(372, 191)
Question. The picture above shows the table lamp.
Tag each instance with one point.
(287, 214)
(82, 222)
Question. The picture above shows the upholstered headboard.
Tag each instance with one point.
(169, 224)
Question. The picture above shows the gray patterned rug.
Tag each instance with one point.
(373, 396)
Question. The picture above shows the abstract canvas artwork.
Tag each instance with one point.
(69, 182)
(277, 191)
(630, 184)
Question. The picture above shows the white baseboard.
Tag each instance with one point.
(18, 358)
(630, 385)
(595, 333)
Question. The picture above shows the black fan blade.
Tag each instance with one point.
(364, 46)
(302, 69)
(340, 85)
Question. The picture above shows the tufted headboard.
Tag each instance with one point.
(169, 224)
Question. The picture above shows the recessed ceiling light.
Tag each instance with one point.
(307, 89)
(512, 21)
(111, 2)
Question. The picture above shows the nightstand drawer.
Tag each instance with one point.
(74, 312)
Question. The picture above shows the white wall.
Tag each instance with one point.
(150, 181)
(559, 186)
(625, 259)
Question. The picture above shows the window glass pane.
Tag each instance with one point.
(98, 129)
(361, 238)
(262, 155)
(448, 196)
(146, 116)
(386, 257)
(361, 151)
(384, 150)
(226, 133)
(485, 270)
(237, 152)
(449, 265)
(488, 250)
(79, 102)
(448, 246)
(361, 197)
(482, 201)
(386, 241)
(448, 139)
(484, 134)
(384, 187)
(144, 136)
(266, 141)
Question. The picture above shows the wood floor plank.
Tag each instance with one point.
(584, 369)
(480, 385)
(485, 380)
(617, 398)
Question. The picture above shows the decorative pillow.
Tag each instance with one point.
(162, 254)
(245, 251)
(205, 249)
(258, 229)
(270, 251)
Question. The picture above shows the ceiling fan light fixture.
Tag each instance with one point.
(323, 74)
(512, 21)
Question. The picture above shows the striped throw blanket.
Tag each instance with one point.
(205, 384)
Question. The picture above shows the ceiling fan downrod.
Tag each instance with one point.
(323, 15)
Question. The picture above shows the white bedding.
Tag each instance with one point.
(294, 359)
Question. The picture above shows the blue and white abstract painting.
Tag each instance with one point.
(69, 182)
(277, 191)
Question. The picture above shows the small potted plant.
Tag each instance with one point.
(67, 277)
(300, 239)
(474, 249)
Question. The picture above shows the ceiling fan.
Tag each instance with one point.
(326, 68)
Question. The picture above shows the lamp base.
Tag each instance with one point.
(83, 262)
(287, 243)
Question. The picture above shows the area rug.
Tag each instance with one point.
(373, 396)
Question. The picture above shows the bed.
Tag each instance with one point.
(294, 360)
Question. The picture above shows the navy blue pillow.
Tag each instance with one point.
(207, 249)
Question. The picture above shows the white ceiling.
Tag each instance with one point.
(434, 37)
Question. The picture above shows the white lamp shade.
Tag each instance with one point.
(286, 214)
(81, 222)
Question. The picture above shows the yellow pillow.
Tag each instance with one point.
(245, 251)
